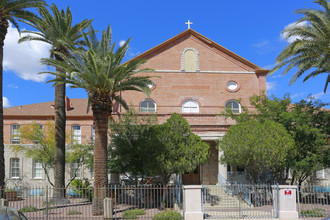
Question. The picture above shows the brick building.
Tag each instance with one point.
(197, 78)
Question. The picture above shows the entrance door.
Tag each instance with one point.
(192, 178)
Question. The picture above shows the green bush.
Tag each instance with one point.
(133, 213)
(168, 214)
(29, 209)
(83, 188)
(73, 212)
(312, 213)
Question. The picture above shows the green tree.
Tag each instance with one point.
(177, 149)
(56, 29)
(308, 124)
(310, 51)
(10, 10)
(260, 147)
(100, 72)
(131, 145)
(43, 148)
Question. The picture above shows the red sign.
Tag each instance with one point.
(287, 193)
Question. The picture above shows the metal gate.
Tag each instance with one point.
(239, 201)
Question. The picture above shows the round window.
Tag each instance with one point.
(151, 86)
(232, 86)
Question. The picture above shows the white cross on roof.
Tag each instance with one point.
(188, 23)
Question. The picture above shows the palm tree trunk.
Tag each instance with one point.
(60, 121)
(3, 31)
(100, 159)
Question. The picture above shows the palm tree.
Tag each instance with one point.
(57, 30)
(10, 10)
(311, 49)
(99, 71)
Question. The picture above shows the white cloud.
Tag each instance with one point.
(24, 58)
(121, 43)
(271, 85)
(261, 44)
(269, 67)
(5, 102)
(317, 95)
(284, 35)
(13, 86)
(296, 95)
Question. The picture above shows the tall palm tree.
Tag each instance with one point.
(10, 10)
(56, 29)
(311, 49)
(99, 71)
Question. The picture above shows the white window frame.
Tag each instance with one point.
(37, 170)
(320, 174)
(40, 128)
(232, 108)
(76, 134)
(190, 106)
(15, 168)
(76, 169)
(15, 131)
(148, 109)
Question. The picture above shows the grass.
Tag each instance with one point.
(168, 214)
(133, 213)
(29, 209)
(74, 212)
(313, 213)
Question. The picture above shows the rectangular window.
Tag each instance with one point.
(76, 134)
(75, 170)
(93, 134)
(320, 174)
(37, 169)
(14, 168)
(15, 139)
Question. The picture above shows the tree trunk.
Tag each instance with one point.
(3, 31)
(100, 159)
(60, 121)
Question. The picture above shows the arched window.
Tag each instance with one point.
(76, 134)
(15, 139)
(14, 168)
(147, 106)
(190, 106)
(233, 106)
(189, 60)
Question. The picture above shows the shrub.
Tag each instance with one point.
(133, 214)
(82, 188)
(168, 214)
(73, 212)
(312, 213)
(29, 209)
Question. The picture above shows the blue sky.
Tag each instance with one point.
(252, 29)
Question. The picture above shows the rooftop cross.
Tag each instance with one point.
(188, 23)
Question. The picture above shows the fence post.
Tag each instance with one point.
(193, 202)
(107, 204)
(286, 200)
(46, 202)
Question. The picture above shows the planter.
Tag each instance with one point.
(11, 196)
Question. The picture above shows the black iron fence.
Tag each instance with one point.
(313, 201)
(127, 202)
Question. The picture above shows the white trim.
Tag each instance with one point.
(211, 71)
(211, 137)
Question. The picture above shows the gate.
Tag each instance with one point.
(239, 201)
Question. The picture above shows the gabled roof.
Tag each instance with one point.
(207, 41)
(79, 108)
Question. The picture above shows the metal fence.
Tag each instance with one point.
(313, 201)
(239, 201)
(128, 202)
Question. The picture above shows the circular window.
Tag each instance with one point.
(232, 86)
(151, 86)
